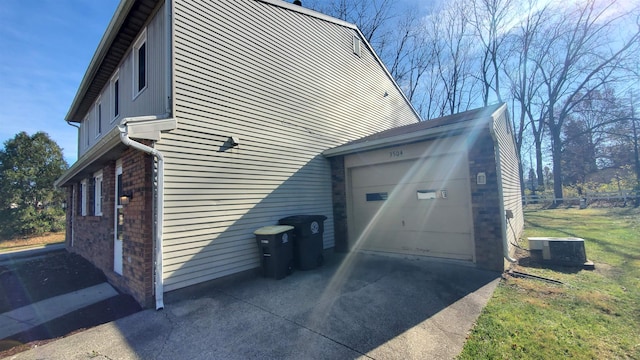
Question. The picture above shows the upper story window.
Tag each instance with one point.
(140, 64)
(115, 96)
(98, 118)
(85, 131)
(97, 193)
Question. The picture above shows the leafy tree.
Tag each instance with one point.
(29, 203)
(579, 152)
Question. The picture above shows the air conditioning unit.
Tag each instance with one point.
(567, 251)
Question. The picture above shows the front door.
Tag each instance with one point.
(119, 222)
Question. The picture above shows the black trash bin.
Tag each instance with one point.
(275, 245)
(307, 240)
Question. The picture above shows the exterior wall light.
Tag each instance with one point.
(125, 198)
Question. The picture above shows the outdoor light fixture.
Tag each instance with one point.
(64, 205)
(125, 198)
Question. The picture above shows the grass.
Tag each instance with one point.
(26, 242)
(593, 315)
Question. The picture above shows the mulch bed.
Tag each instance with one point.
(26, 281)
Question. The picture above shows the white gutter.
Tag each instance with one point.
(418, 135)
(150, 127)
(503, 217)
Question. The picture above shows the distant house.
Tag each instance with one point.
(203, 121)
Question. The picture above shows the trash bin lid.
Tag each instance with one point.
(301, 219)
(273, 229)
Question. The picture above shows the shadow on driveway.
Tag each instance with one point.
(356, 306)
(31, 277)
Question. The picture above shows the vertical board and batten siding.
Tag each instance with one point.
(151, 101)
(286, 85)
(509, 170)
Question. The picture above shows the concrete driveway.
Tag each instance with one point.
(355, 306)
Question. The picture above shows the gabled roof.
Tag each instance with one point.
(128, 20)
(440, 127)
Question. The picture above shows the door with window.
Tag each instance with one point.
(119, 222)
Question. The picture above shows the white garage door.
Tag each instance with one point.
(418, 207)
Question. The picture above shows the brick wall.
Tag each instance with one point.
(338, 185)
(93, 236)
(485, 204)
(137, 271)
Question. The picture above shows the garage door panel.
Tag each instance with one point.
(442, 245)
(400, 207)
(436, 219)
(441, 169)
(407, 194)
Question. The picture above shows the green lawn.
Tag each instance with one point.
(594, 315)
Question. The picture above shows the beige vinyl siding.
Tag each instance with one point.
(150, 102)
(509, 167)
(288, 86)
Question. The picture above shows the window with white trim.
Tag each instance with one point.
(140, 67)
(98, 118)
(97, 193)
(83, 197)
(115, 96)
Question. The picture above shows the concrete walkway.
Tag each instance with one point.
(26, 317)
(358, 306)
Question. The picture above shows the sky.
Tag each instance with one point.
(46, 46)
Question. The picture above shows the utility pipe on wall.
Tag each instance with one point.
(124, 137)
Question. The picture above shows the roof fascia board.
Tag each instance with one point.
(307, 11)
(103, 47)
(415, 136)
(108, 142)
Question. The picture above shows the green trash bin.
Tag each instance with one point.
(275, 245)
(307, 240)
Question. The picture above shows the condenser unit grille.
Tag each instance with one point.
(562, 251)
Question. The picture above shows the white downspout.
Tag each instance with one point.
(503, 217)
(168, 53)
(124, 137)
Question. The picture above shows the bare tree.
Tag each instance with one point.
(452, 49)
(581, 57)
(523, 78)
(491, 20)
(407, 55)
(373, 17)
